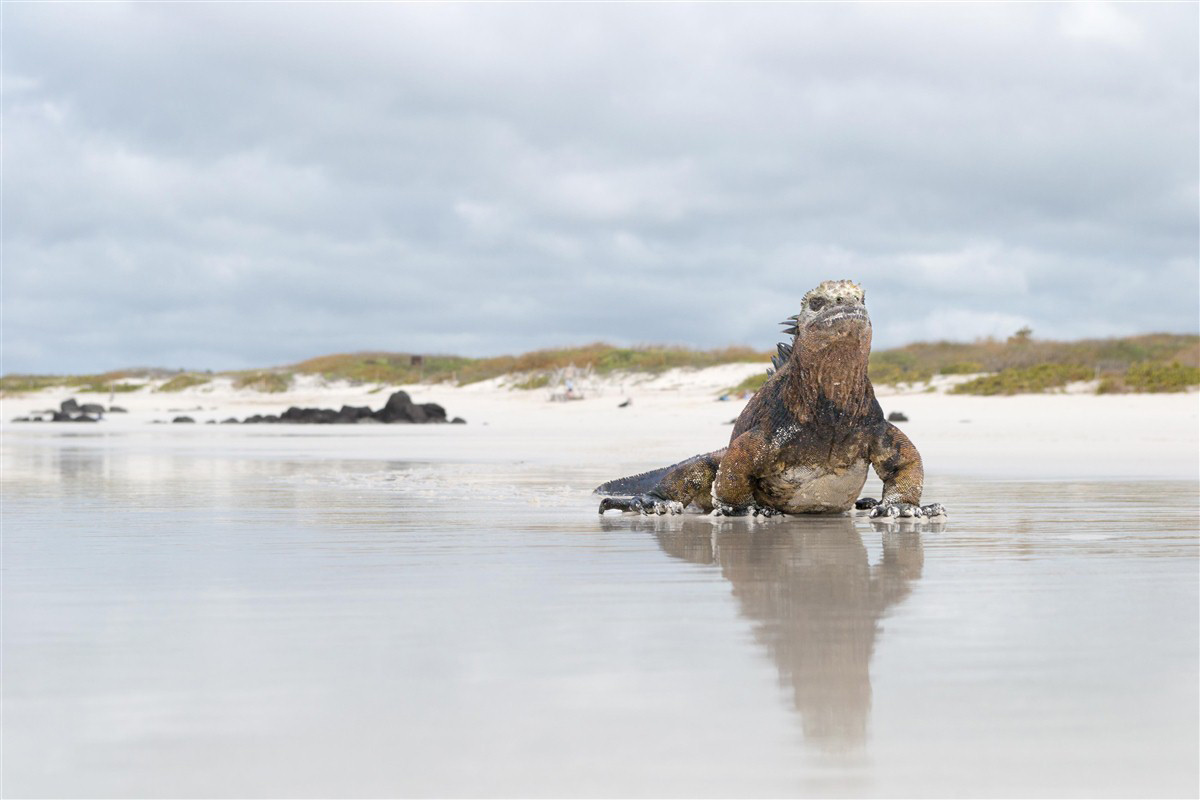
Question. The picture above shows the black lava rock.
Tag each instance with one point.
(897, 416)
(350, 415)
(399, 409)
(183, 419)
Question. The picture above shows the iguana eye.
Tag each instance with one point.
(817, 303)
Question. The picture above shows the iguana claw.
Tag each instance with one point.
(907, 510)
(644, 504)
(935, 510)
(726, 510)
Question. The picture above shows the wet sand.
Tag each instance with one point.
(215, 611)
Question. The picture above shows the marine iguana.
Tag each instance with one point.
(803, 443)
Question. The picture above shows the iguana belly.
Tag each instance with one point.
(805, 490)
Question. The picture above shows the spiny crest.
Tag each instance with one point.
(777, 360)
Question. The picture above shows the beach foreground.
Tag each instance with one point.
(438, 610)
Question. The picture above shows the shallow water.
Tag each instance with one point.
(276, 615)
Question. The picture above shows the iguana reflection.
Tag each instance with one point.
(815, 600)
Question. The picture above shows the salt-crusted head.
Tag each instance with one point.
(828, 359)
(832, 311)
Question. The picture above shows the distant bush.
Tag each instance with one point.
(751, 384)
(538, 380)
(20, 384)
(992, 356)
(961, 368)
(271, 382)
(898, 366)
(397, 368)
(1150, 377)
(103, 382)
(101, 388)
(1020, 380)
(184, 381)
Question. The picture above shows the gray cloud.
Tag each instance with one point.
(229, 185)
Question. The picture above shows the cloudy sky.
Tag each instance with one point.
(228, 185)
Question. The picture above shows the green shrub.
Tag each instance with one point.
(539, 380)
(396, 368)
(271, 382)
(1019, 380)
(20, 384)
(184, 381)
(961, 368)
(99, 383)
(898, 366)
(104, 388)
(1173, 377)
(751, 384)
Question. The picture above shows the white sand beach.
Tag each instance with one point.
(1067, 435)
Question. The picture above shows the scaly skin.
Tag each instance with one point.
(803, 443)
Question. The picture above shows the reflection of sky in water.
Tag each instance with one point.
(191, 622)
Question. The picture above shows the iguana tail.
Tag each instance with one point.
(643, 482)
(635, 484)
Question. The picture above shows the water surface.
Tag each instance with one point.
(280, 616)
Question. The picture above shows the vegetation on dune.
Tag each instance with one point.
(1152, 377)
(926, 359)
(185, 380)
(1024, 364)
(899, 366)
(20, 384)
(1156, 362)
(263, 381)
(1024, 380)
(539, 380)
(377, 367)
(115, 381)
(398, 368)
(751, 384)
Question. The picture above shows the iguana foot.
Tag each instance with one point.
(642, 504)
(904, 510)
(726, 510)
(935, 510)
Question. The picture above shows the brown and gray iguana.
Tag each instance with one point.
(803, 443)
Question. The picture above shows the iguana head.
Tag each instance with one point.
(830, 352)
(833, 313)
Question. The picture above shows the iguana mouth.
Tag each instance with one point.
(827, 318)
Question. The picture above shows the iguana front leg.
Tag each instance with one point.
(733, 490)
(898, 465)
